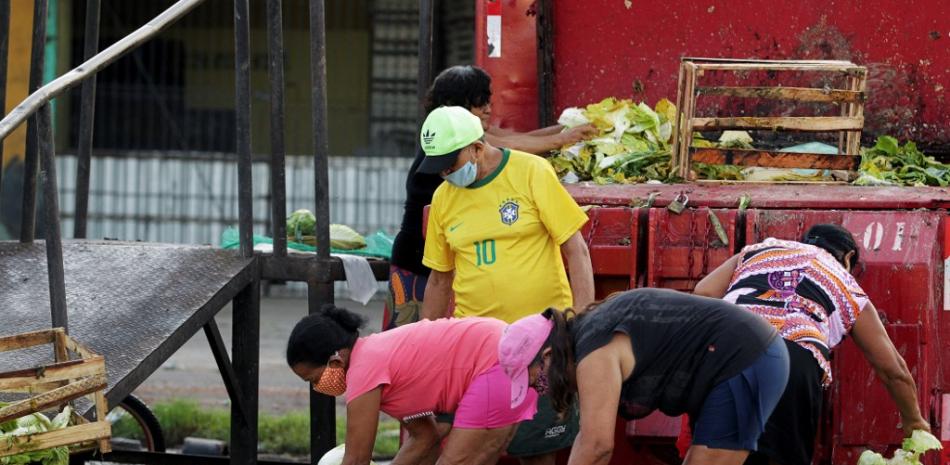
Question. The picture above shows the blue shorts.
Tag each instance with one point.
(736, 410)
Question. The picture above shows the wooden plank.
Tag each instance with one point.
(102, 409)
(753, 60)
(689, 110)
(819, 67)
(44, 375)
(861, 83)
(781, 123)
(801, 94)
(769, 183)
(59, 346)
(78, 348)
(52, 398)
(22, 341)
(763, 158)
(678, 124)
(72, 435)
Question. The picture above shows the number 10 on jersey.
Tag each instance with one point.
(485, 252)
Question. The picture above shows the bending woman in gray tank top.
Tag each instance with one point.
(654, 349)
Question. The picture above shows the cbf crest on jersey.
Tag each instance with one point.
(509, 211)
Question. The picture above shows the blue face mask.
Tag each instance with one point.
(463, 176)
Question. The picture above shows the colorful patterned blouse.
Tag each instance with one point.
(802, 291)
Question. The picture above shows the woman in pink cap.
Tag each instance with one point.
(382, 373)
(653, 349)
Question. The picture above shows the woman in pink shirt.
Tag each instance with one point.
(412, 373)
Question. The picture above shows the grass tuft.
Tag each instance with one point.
(287, 434)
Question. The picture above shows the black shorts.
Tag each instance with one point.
(544, 434)
(789, 437)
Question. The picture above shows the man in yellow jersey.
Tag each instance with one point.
(497, 230)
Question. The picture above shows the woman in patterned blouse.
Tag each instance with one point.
(807, 292)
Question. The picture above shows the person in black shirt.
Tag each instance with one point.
(645, 350)
(468, 87)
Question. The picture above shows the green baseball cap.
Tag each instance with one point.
(445, 132)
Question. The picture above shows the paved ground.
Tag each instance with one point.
(191, 372)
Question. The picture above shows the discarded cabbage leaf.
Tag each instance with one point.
(32, 424)
(572, 117)
(871, 458)
(61, 420)
(301, 223)
(921, 441)
(345, 238)
(890, 163)
(633, 144)
(723, 172)
(903, 457)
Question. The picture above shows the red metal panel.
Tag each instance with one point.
(772, 196)
(613, 48)
(785, 224)
(685, 247)
(944, 428)
(901, 263)
(943, 320)
(902, 275)
(864, 414)
(901, 256)
(514, 73)
(655, 425)
(611, 236)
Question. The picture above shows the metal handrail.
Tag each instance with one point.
(245, 345)
(90, 67)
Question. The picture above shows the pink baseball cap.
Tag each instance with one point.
(518, 347)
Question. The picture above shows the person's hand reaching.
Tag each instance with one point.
(579, 133)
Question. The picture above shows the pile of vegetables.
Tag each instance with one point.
(302, 224)
(634, 143)
(33, 424)
(889, 163)
(919, 443)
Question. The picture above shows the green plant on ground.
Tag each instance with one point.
(287, 434)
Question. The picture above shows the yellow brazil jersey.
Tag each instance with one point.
(502, 236)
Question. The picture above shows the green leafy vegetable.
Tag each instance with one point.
(32, 424)
(344, 237)
(919, 443)
(633, 144)
(871, 458)
(301, 223)
(725, 172)
(889, 163)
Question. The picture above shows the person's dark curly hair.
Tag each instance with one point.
(460, 86)
(835, 240)
(317, 337)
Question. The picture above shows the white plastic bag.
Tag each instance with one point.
(335, 456)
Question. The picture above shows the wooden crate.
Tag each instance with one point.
(849, 125)
(76, 372)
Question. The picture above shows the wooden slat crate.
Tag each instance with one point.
(849, 125)
(76, 372)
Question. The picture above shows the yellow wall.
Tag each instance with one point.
(18, 73)
(209, 84)
(209, 79)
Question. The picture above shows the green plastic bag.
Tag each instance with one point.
(378, 245)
